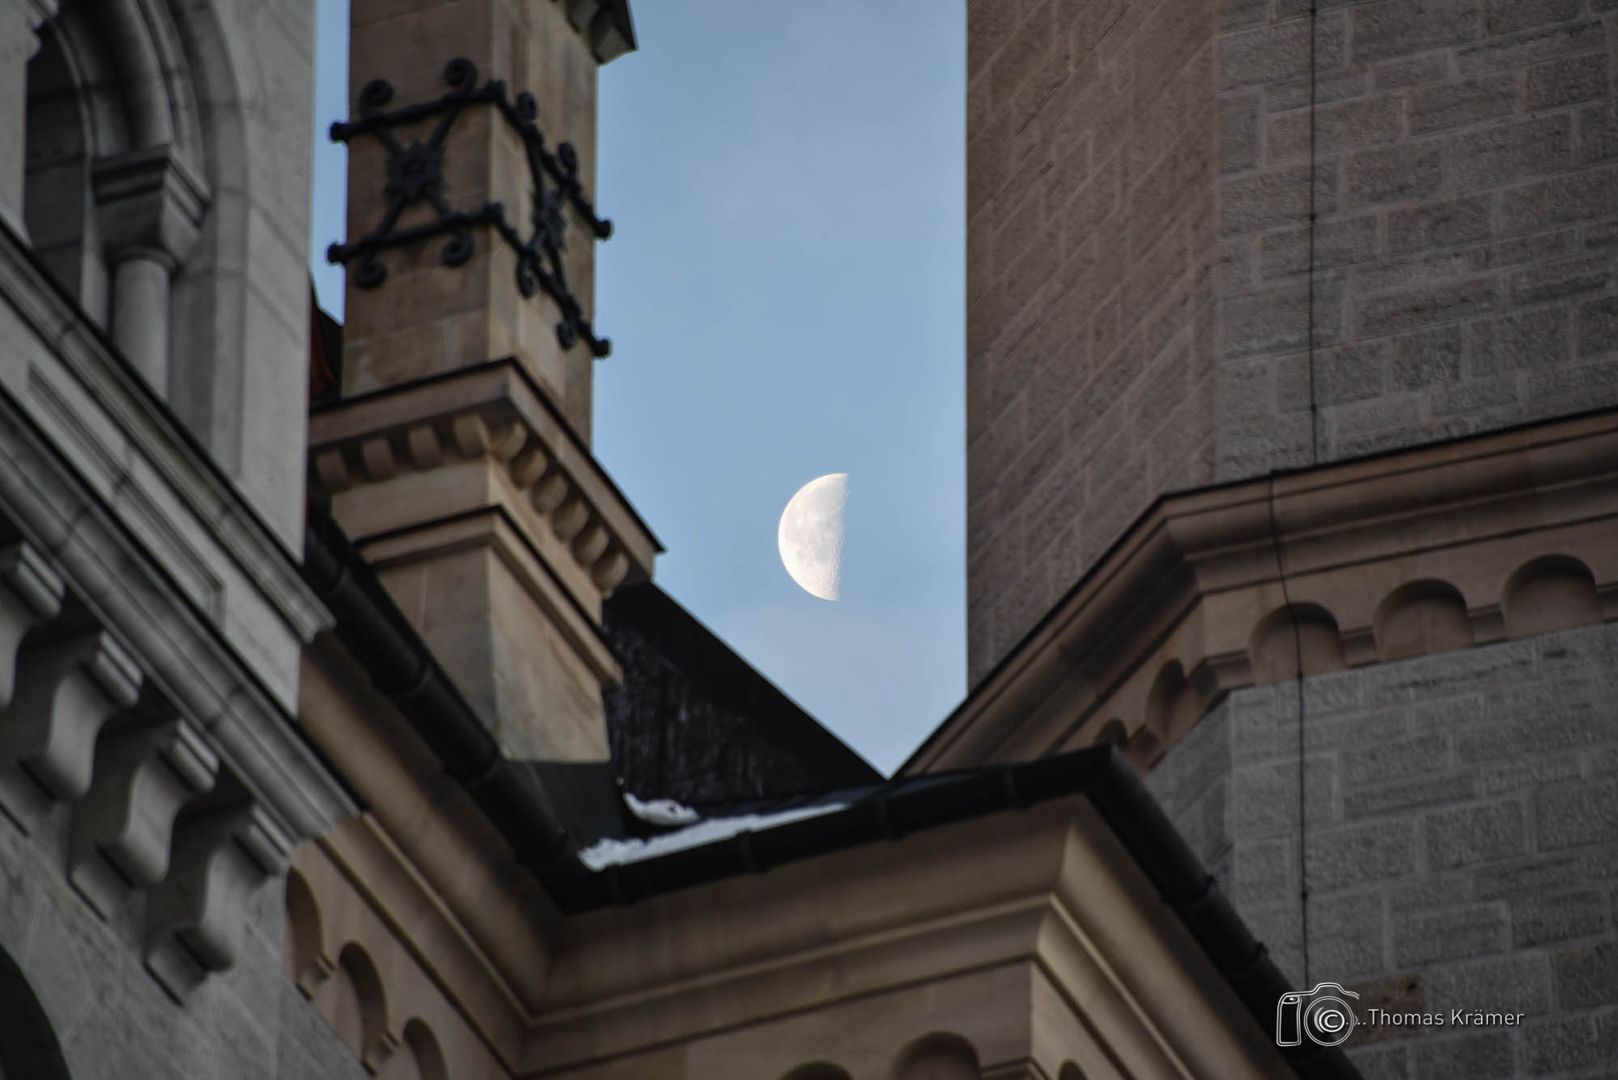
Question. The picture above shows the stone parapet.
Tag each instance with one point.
(1035, 962)
(134, 461)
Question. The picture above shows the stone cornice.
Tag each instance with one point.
(194, 667)
(90, 392)
(149, 202)
(494, 411)
(361, 857)
(1178, 611)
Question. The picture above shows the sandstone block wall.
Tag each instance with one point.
(1461, 815)
(1141, 228)
(113, 1020)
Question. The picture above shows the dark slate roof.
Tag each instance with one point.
(695, 722)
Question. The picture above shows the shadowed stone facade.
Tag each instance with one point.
(1213, 249)
(1140, 296)
(112, 1019)
(153, 360)
(1461, 812)
(1091, 228)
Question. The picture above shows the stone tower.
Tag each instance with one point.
(1142, 312)
(1291, 379)
(458, 457)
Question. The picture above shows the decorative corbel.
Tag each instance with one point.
(145, 774)
(194, 920)
(31, 593)
(66, 690)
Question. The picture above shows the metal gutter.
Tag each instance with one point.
(373, 629)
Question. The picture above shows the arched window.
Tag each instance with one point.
(1419, 618)
(418, 1058)
(305, 945)
(1548, 594)
(113, 198)
(818, 1070)
(28, 1044)
(57, 209)
(941, 1055)
(1289, 638)
(163, 181)
(360, 1017)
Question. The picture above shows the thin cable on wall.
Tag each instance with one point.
(1311, 269)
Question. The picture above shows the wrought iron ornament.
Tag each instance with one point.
(415, 174)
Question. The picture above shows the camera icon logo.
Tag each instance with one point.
(1323, 1016)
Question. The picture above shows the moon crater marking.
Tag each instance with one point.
(810, 535)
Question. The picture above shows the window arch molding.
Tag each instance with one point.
(193, 120)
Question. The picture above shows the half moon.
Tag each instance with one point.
(811, 535)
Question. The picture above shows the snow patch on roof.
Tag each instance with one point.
(612, 852)
(665, 813)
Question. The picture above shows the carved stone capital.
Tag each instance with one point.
(381, 1048)
(150, 205)
(122, 830)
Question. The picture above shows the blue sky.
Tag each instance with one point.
(784, 296)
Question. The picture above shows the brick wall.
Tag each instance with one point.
(1139, 242)
(1462, 824)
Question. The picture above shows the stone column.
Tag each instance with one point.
(459, 461)
(423, 320)
(150, 208)
(19, 40)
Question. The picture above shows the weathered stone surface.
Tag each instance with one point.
(1475, 849)
(1573, 815)
(1559, 1046)
(1475, 834)
(1458, 104)
(1466, 1057)
(1587, 977)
